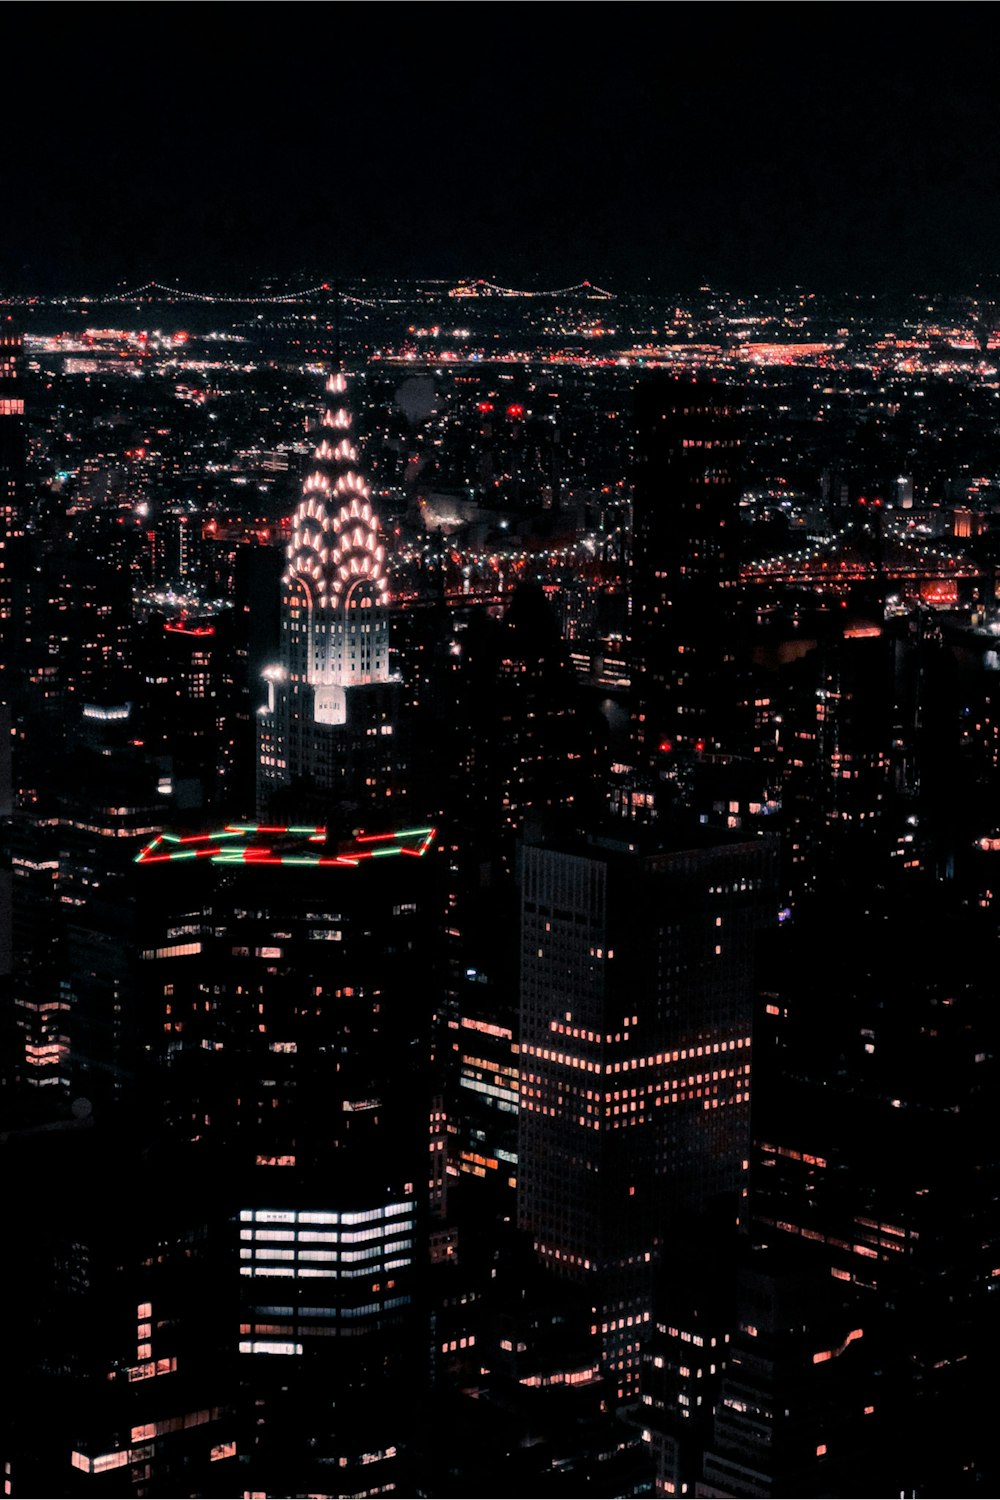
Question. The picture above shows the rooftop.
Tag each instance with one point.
(267, 844)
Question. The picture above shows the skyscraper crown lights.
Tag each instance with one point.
(335, 553)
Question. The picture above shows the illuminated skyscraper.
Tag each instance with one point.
(300, 1091)
(330, 715)
(252, 1018)
(636, 1027)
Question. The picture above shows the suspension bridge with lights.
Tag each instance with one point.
(846, 558)
(155, 291)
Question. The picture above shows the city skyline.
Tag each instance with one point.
(442, 727)
(499, 753)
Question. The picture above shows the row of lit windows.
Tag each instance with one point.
(304, 1272)
(567, 1059)
(670, 1085)
(372, 1252)
(308, 1216)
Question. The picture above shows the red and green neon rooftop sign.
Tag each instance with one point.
(264, 844)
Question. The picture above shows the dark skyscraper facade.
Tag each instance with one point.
(13, 479)
(636, 1037)
(685, 563)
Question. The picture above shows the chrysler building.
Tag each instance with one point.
(328, 726)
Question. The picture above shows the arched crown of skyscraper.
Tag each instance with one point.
(336, 551)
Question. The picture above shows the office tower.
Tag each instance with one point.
(798, 1398)
(527, 1410)
(108, 797)
(694, 1318)
(118, 1381)
(636, 1033)
(331, 714)
(13, 476)
(838, 736)
(875, 1160)
(684, 568)
(188, 696)
(255, 590)
(526, 743)
(73, 987)
(863, 742)
(38, 1005)
(13, 438)
(236, 1283)
(291, 979)
(75, 628)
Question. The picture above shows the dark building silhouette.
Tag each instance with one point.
(875, 1161)
(684, 569)
(797, 1400)
(189, 696)
(13, 504)
(525, 742)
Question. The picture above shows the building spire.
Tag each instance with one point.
(328, 720)
(336, 549)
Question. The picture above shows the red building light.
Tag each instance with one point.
(178, 627)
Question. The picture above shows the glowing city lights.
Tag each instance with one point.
(281, 844)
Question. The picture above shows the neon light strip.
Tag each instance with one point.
(244, 853)
(309, 829)
(405, 833)
(178, 629)
(201, 838)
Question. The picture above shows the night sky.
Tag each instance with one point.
(836, 145)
